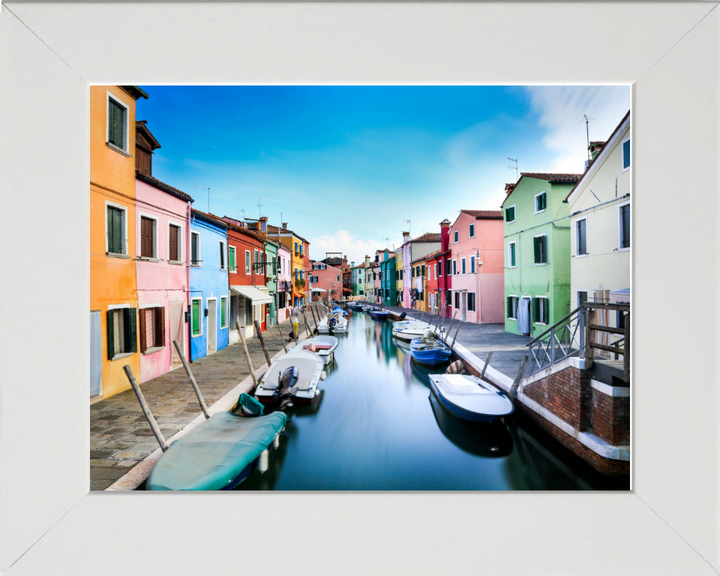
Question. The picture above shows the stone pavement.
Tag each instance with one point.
(481, 339)
(120, 436)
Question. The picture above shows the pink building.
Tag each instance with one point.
(327, 279)
(284, 281)
(414, 250)
(478, 283)
(162, 228)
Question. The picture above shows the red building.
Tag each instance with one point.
(439, 274)
(249, 296)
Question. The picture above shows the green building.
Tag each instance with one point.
(388, 280)
(537, 251)
(271, 275)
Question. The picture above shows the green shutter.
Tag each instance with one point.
(231, 252)
(223, 306)
(110, 334)
(196, 317)
(536, 247)
(130, 317)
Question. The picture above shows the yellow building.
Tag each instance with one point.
(299, 260)
(113, 285)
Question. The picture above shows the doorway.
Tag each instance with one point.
(212, 325)
(463, 309)
(177, 332)
(524, 316)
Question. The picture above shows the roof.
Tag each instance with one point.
(484, 214)
(211, 219)
(275, 230)
(164, 187)
(553, 178)
(428, 237)
(436, 254)
(135, 91)
(605, 149)
(419, 260)
(142, 129)
(240, 229)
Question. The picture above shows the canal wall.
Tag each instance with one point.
(588, 417)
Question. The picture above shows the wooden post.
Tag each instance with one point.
(258, 331)
(314, 317)
(450, 327)
(282, 338)
(307, 326)
(626, 350)
(589, 338)
(192, 379)
(247, 354)
(518, 378)
(452, 346)
(145, 408)
(487, 363)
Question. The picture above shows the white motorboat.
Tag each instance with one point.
(335, 323)
(409, 330)
(470, 398)
(296, 374)
(323, 346)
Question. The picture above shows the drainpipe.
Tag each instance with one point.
(187, 267)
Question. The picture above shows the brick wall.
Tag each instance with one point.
(567, 394)
(611, 418)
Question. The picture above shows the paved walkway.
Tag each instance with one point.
(120, 436)
(481, 339)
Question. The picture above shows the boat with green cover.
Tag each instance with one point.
(217, 454)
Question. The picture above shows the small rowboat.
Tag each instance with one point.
(336, 323)
(323, 346)
(296, 374)
(429, 350)
(396, 316)
(409, 330)
(470, 398)
(217, 454)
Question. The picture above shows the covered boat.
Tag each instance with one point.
(323, 346)
(470, 398)
(380, 315)
(429, 350)
(396, 316)
(335, 323)
(217, 454)
(296, 374)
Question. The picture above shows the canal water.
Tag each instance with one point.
(378, 426)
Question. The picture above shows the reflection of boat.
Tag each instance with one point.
(313, 407)
(323, 346)
(401, 344)
(217, 454)
(422, 373)
(489, 440)
(295, 374)
(470, 398)
(335, 323)
(429, 350)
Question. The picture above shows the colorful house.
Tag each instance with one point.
(113, 273)
(162, 224)
(369, 280)
(418, 292)
(284, 284)
(398, 277)
(327, 281)
(537, 251)
(249, 295)
(600, 228)
(388, 279)
(476, 242)
(299, 259)
(208, 298)
(414, 250)
(358, 280)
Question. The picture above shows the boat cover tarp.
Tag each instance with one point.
(215, 452)
(249, 405)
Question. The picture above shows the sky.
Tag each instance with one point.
(348, 166)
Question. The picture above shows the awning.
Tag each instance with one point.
(318, 290)
(252, 293)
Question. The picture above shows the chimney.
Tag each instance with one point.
(595, 148)
(367, 261)
(406, 237)
(444, 235)
(509, 188)
(284, 225)
(263, 223)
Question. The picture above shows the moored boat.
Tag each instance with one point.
(396, 316)
(335, 323)
(380, 315)
(409, 331)
(296, 374)
(429, 350)
(470, 398)
(323, 346)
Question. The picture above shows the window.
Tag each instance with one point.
(338, 277)
(512, 305)
(447, 267)
(581, 237)
(540, 202)
(195, 249)
(457, 234)
(440, 269)
(512, 258)
(223, 312)
(117, 123)
(472, 264)
(510, 214)
(281, 299)
(423, 270)
(582, 297)
(626, 155)
(121, 332)
(116, 229)
(472, 230)
(448, 297)
(540, 243)
(624, 226)
(541, 310)
(436, 270)
(412, 272)
(247, 261)
(471, 301)
(222, 255)
(232, 259)
(175, 243)
(454, 267)
(152, 329)
(197, 317)
(148, 228)
(457, 300)
(463, 265)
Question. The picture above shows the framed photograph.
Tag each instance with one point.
(52, 53)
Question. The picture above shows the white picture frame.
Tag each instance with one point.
(51, 524)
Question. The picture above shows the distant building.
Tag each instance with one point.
(413, 250)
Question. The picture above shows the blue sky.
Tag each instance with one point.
(345, 166)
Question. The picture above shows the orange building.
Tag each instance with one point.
(113, 286)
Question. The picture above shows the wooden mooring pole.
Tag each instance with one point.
(194, 383)
(307, 326)
(282, 338)
(452, 346)
(247, 354)
(145, 408)
(258, 331)
(487, 363)
(518, 378)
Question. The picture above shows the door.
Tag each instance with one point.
(212, 325)
(463, 308)
(95, 353)
(524, 316)
(601, 319)
(242, 314)
(177, 331)
(263, 323)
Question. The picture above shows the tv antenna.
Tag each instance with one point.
(259, 206)
(514, 167)
(588, 119)
(409, 226)
(208, 189)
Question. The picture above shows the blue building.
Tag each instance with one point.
(209, 300)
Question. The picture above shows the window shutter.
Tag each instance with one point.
(110, 334)
(536, 245)
(143, 332)
(546, 306)
(159, 314)
(174, 234)
(130, 317)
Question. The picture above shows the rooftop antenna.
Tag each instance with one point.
(259, 206)
(409, 227)
(514, 167)
(208, 189)
(588, 119)
(243, 215)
